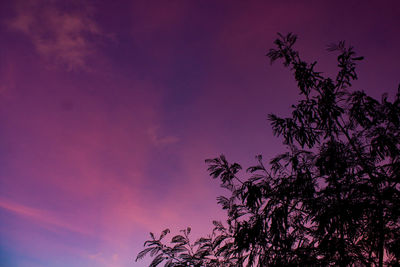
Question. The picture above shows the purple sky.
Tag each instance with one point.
(108, 110)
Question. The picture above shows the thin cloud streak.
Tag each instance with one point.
(41, 216)
(158, 140)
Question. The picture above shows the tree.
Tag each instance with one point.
(332, 199)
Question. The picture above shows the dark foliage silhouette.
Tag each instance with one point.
(332, 199)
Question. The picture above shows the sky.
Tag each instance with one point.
(108, 110)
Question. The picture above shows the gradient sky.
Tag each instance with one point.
(109, 108)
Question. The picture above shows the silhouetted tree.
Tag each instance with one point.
(332, 199)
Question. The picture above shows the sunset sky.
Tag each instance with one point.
(108, 110)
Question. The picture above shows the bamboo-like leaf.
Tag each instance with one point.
(164, 233)
(157, 260)
(178, 239)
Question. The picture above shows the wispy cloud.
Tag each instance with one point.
(159, 140)
(40, 216)
(62, 36)
(105, 260)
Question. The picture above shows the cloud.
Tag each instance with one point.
(106, 260)
(158, 140)
(40, 216)
(61, 36)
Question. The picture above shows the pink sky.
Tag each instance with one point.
(108, 110)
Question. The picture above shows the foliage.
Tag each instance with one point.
(332, 199)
